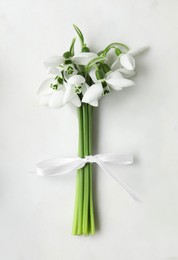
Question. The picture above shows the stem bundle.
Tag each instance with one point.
(84, 223)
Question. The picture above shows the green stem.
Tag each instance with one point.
(75, 220)
(113, 45)
(86, 172)
(92, 220)
(80, 202)
(78, 209)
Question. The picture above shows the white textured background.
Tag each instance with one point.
(36, 213)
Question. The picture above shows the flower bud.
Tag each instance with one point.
(105, 68)
(118, 52)
(67, 55)
(85, 49)
(99, 74)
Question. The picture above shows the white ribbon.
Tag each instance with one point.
(61, 166)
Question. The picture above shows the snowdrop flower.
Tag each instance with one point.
(116, 81)
(84, 58)
(113, 80)
(117, 75)
(75, 85)
(127, 59)
(125, 72)
(56, 64)
(51, 92)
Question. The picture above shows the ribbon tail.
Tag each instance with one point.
(108, 171)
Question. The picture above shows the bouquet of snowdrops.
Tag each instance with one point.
(83, 79)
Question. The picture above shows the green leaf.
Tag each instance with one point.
(72, 47)
(79, 34)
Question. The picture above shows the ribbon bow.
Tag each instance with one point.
(61, 166)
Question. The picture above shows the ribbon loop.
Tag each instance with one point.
(61, 166)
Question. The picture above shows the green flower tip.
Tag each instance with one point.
(85, 49)
(67, 55)
(118, 52)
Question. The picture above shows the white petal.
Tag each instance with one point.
(93, 75)
(94, 92)
(116, 65)
(53, 61)
(94, 103)
(69, 93)
(127, 61)
(56, 99)
(127, 73)
(137, 51)
(76, 101)
(83, 58)
(114, 74)
(54, 71)
(76, 79)
(44, 88)
(118, 84)
(85, 87)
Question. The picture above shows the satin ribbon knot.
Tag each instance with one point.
(89, 159)
(59, 166)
